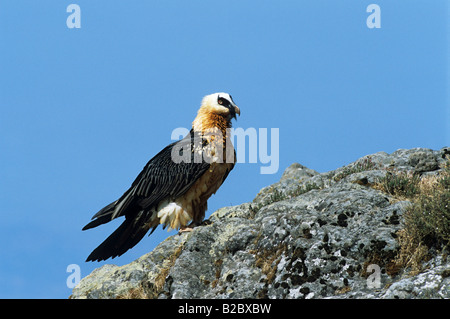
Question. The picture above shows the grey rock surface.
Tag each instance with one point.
(310, 235)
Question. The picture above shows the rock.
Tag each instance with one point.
(432, 283)
(297, 172)
(310, 235)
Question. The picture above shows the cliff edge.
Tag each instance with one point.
(376, 228)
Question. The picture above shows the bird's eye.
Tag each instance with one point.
(223, 101)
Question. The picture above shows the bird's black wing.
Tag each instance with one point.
(164, 176)
(169, 174)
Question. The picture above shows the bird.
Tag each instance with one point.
(174, 186)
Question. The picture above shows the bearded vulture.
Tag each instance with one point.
(174, 186)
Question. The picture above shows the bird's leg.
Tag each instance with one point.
(194, 224)
(185, 229)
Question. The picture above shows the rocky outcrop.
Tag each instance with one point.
(310, 235)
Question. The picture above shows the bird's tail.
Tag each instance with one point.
(102, 217)
(129, 233)
(116, 209)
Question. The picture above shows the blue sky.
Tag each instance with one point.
(83, 110)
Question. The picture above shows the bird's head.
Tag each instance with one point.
(221, 104)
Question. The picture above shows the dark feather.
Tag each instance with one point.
(161, 179)
(129, 233)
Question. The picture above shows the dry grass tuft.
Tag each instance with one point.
(268, 260)
(427, 221)
(401, 185)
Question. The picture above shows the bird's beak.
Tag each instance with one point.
(236, 111)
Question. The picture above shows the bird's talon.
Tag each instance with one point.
(206, 222)
(185, 230)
